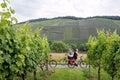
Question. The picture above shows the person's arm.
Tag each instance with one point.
(77, 53)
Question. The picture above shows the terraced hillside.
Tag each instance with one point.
(74, 30)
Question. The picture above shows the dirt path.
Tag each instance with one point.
(62, 55)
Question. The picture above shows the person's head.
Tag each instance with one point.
(76, 50)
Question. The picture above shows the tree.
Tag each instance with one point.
(96, 48)
(112, 54)
(105, 51)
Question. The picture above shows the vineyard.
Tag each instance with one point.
(22, 50)
(104, 52)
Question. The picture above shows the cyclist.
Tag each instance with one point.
(70, 54)
(75, 55)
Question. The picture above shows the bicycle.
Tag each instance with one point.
(81, 62)
(51, 62)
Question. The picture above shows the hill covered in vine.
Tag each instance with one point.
(70, 28)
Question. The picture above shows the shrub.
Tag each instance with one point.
(59, 46)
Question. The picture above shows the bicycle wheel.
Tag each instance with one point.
(71, 64)
(52, 63)
(82, 64)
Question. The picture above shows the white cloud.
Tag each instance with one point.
(31, 9)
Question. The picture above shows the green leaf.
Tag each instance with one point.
(7, 58)
(14, 19)
(13, 68)
(18, 63)
(3, 5)
(1, 59)
(7, 14)
(12, 10)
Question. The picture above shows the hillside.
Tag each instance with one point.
(74, 29)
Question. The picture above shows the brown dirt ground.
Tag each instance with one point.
(62, 55)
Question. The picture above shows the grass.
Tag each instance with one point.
(59, 74)
(67, 74)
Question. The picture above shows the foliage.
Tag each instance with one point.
(21, 50)
(6, 17)
(75, 18)
(96, 48)
(112, 51)
(10, 58)
(107, 17)
(82, 47)
(87, 74)
(59, 46)
(104, 51)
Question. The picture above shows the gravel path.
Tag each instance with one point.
(66, 66)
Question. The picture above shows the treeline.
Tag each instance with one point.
(73, 18)
(35, 20)
(44, 19)
(69, 17)
(62, 47)
(106, 17)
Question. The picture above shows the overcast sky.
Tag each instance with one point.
(32, 9)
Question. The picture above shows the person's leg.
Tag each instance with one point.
(76, 62)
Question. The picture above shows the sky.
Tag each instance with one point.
(33, 9)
